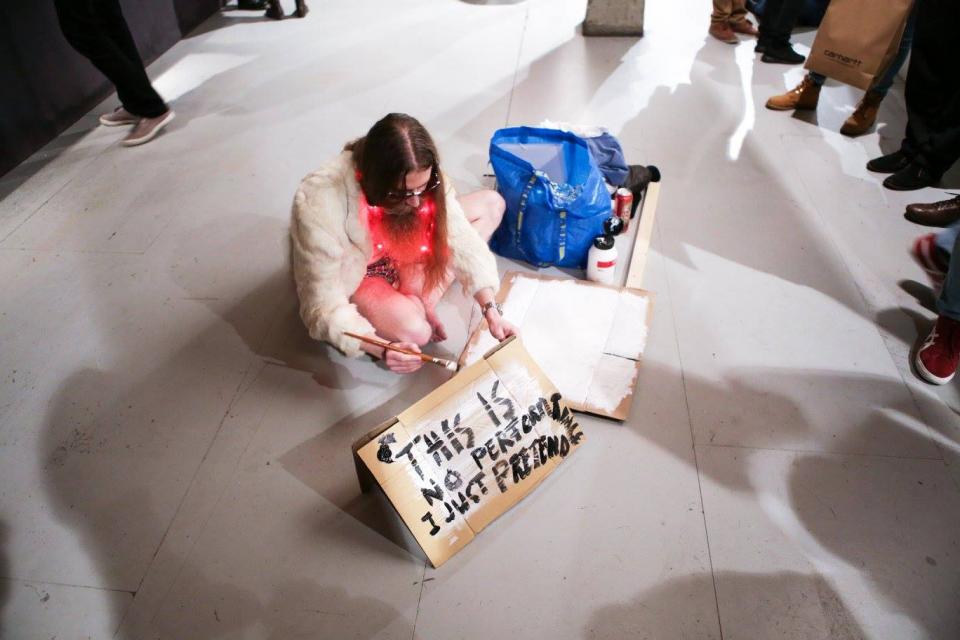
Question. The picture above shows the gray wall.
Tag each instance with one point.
(45, 86)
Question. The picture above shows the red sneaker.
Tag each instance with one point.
(937, 359)
(924, 253)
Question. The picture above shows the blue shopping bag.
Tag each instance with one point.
(555, 194)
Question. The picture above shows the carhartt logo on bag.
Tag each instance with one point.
(867, 32)
(842, 59)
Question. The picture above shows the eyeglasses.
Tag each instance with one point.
(400, 196)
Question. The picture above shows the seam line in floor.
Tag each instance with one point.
(64, 584)
(821, 453)
(693, 441)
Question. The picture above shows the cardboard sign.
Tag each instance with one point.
(589, 337)
(459, 458)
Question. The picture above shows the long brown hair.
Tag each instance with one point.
(396, 145)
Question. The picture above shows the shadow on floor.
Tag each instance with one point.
(905, 540)
(300, 607)
(786, 604)
(102, 466)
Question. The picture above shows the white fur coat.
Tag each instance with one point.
(331, 249)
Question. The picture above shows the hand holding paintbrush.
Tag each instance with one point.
(388, 346)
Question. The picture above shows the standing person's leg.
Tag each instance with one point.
(932, 140)
(738, 19)
(770, 11)
(775, 30)
(738, 11)
(941, 149)
(938, 357)
(721, 11)
(946, 240)
(865, 115)
(884, 82)
(97, 30)
(90, 26)
(782, 23)
(134, 89)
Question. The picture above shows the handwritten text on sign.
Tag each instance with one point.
(455, 461)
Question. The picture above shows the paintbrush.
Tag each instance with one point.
(446, 364)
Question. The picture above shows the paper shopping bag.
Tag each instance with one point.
(858, 39)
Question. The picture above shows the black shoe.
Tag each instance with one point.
(638, 179)
(251, 5)
(760, 48)
(912, 177)
(890, 163)
(782, 54)
(934, 214)
(274, 10)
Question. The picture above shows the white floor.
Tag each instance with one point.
(174, 451)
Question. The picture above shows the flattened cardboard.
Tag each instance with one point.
(463, 455)
(621, 411)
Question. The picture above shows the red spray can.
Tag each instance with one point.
(623, 202)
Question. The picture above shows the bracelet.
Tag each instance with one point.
(492, 305)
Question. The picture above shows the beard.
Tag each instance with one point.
(405, 233)
(401, 221)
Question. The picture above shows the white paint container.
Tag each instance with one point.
(602, 260)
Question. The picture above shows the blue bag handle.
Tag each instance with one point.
(523, 205)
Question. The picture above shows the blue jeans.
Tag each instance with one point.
(949, 302)
(884, 82)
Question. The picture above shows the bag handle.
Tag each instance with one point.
(523, 205)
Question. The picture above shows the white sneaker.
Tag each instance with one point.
(147, 129)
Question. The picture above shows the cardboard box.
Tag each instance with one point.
(459, 458)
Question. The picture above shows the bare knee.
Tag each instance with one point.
(414, 329)
(495, 205)
(489, 213)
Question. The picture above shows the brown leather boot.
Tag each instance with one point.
(865, 115)
(802, 97)
(745, 27)
(722, 32)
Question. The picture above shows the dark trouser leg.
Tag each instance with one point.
(97, 30)
(770, 11)
(933, 87)
(779, 19)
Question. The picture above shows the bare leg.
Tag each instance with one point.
(484, 210)
(395, 316)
